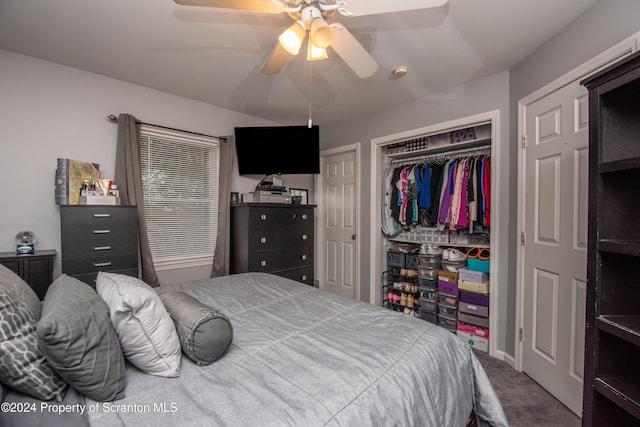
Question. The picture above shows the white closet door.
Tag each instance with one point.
(555, 253)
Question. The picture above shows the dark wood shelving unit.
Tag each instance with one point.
(612, 380)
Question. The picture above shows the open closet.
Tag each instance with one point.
(434, 245)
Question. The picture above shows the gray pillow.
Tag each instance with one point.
(78, 340)
(23, 367)
(205, 333)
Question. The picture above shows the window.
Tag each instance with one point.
(180, 189)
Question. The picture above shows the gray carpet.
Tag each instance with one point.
(524, 401)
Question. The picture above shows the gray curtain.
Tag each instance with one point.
(223, 250)
(129, 180)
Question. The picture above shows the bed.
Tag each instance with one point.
(300, 357)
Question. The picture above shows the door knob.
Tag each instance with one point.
(353, 237)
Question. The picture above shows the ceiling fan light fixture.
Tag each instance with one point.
(321, 33)
(291, 39)
(315, 53)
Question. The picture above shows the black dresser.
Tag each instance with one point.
(98, 238)
(273, 238)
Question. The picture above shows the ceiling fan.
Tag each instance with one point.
(311, 16)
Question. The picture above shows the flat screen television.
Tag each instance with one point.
(269, 150)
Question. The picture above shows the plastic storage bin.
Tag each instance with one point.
(395, 259)
(428, 304)
(428, 315)
(448, 309)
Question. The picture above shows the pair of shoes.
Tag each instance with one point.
(403, 299)
(398, 286)
(480, 253)
(452, 254)
(410, 301)
(408, 272)
(430, 249)
(411, 288)
(393, 298)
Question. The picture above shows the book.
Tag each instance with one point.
(70, 174)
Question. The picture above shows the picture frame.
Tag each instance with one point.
(303, 193)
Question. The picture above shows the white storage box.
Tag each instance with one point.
(474, 341)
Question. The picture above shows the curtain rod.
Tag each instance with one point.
(114, 118)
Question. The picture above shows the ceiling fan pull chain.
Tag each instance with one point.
(310, 123)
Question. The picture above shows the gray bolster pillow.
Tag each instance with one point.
(205, 333)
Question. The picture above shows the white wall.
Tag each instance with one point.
(50, 111)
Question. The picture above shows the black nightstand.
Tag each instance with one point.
(36, 269)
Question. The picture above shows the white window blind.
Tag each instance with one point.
(180, 188)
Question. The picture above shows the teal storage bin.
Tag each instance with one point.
(478, 265)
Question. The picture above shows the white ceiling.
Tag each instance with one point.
(214, 55)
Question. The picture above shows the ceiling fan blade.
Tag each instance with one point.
(352, 52)
(276, 61)
(265, 6)
(368, 7)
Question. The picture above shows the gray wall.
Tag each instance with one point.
(50, 111)
(605, 24)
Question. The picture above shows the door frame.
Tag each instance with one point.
(614, 54)
(320, 213)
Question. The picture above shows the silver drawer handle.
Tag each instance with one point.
(304, 257)
(102, 248)
(263, 240)
(305, 237)
(263, 217)
(304, 216)
(102, 215)
(102, 264)
(304, 277)
(263, 263)
(101, 231)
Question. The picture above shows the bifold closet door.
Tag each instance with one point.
(555, 250)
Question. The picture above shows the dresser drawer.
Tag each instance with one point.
(99, 247)
(88, 222)
(281, 259)
(268, 217)
(304, 275)
(280, 238)
(99, 263)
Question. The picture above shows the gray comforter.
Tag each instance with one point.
(304, 357)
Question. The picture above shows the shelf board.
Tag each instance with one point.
(478, 143)
(622, 390)
(619, 165)
(618, 246)
(442, 244)
(624, 327)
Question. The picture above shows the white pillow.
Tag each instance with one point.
(147, 334)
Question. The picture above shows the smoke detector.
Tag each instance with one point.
(400, 71)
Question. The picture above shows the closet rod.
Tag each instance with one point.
(443, 155)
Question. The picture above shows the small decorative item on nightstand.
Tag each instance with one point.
(26, 242)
